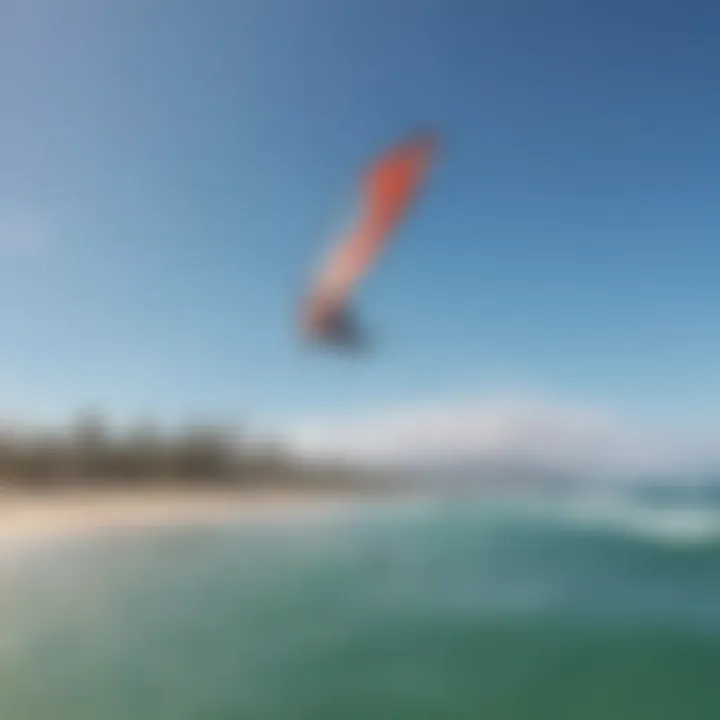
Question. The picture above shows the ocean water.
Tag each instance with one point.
(418, 610)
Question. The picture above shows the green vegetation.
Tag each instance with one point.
(87, 452)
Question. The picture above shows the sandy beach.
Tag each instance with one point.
(35, 515)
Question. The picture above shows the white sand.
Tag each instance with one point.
(26, 515)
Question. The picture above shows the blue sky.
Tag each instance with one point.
(170, 171)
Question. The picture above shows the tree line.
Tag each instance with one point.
(87, 450)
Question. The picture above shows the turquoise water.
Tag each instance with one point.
(396, 612)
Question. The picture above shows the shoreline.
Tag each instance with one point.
(38, 514)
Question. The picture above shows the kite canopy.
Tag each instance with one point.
(388, 187)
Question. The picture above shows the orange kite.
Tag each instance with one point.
(388, 187)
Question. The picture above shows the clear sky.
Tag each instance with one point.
(171, 170)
